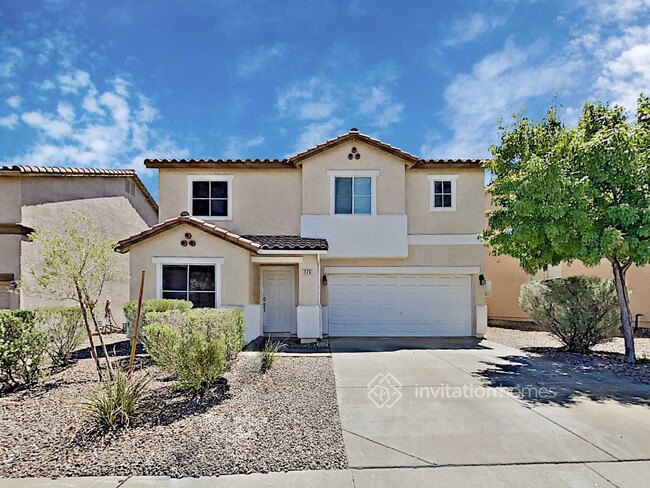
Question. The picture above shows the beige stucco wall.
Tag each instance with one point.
(390, 182)
(10, 199)
(469, 215)
(264, 201)
(10, 263)
(235, 271)
(115, 215)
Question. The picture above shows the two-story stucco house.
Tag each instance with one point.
(352, 237)
(41, 197)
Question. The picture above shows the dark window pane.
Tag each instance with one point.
(174, 278)
(202, 278)
(200, 207)
(219, 208)
(200, 189)
(446, 186)
(447, 201)
(203, 300)
(437, 201)
(343, 195)
(219, 189)
(437, 186)
(174, 295)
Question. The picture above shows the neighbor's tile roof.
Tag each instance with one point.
(294, 161)
(61, 171)
(250, 243)
(289, 243)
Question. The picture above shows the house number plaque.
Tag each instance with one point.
(307, 271)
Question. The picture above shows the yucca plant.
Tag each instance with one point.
(114, 405)
(271, 348)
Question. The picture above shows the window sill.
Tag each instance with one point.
(442, 209)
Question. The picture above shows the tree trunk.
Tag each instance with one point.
(101, 341)
(84, 314)
(624, 305)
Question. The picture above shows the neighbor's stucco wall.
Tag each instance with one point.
(469, 215)
(265, 201)
(506, 277)
(10, 200)
(10, 263)
(390, 182)
(115, 215)
(235, 271)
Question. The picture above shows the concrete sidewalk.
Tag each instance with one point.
(577, 475)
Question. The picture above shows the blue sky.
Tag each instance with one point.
(107, 84)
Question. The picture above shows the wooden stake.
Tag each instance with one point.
(93, 353)
(136, 326)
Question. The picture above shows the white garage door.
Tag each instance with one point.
(399, 305)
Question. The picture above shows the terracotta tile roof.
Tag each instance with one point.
(295, 161)
(354, 135)
(289, 243)
(61, 171)
(250, 243)
(427, 163)
(267, 163)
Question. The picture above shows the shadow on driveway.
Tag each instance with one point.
(545, 381)
(392, 344)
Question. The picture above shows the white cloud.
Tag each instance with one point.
(237, 147)
(73, 81)
(498, 85)
(14, 101)
(606, 57)
(377, 106)
(255, 61)
(9, 122)
(318, 132)
(11, 58)
(50, 126)
(46, 85)
(469, 29)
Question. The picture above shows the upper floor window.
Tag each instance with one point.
(442, 192)
(210, 196)
(353, 192)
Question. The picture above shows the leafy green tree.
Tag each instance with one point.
(78, 261)
(563, 193)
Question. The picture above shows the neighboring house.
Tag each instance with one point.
(506, 277)
(41, 197)
(352, 237)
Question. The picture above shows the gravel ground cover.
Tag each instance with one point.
(286, 419)
(605, 357)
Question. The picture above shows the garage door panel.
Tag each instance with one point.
(399, 305)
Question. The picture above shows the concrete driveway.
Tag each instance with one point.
(463, 402)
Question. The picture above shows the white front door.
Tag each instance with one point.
(400, 305)
(278, 300)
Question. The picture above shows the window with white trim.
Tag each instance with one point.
(442, 192)
(353, 195)
(193, 282)
(210, 196)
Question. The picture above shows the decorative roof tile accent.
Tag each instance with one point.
(289, 243)
(61, 171)
(250, 243)
(267, 163)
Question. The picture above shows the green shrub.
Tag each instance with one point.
(114, 405)
(182, 345)
(148, 306)
(580, 311)
(269, 354)
(22, 348)
(223, 323)
(64, 329)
